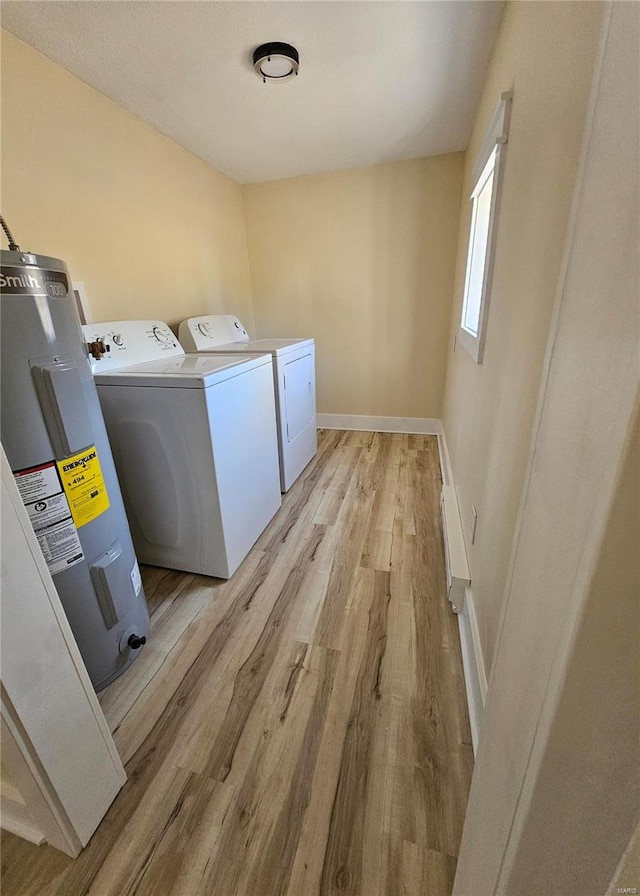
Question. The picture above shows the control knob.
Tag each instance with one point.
(163, 336)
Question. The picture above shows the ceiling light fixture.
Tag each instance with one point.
(275, 61)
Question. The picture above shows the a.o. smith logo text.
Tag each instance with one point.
(26, 281)
(18, 281)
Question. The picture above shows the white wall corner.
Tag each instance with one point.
(429, 426)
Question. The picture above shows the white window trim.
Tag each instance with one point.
(82, 302)
(495, 141)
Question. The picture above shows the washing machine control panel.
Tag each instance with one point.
(126, 342)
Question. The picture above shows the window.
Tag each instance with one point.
(484, 212)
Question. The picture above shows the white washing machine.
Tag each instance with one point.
(294, 372)
(195, 445)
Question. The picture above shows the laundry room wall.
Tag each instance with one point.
(363, 260)
(150, 229)
(545, 53)
(597, 720)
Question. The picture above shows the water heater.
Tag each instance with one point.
(56, 443)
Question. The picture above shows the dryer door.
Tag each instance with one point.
(299, 398)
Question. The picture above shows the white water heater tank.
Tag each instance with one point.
(56, 443)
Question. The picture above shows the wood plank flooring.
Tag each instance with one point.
(300, 730)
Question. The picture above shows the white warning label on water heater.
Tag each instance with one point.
(136, 578)
(48, 509)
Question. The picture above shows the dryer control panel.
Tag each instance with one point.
(122, 343)
(210, 330)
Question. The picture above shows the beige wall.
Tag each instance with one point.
(363, 261)
(9, 788)
(554, 795)
(593, 752)
(628, 872)
(152, 230)
(545, 52)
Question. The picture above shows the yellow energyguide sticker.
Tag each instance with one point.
(84, 486)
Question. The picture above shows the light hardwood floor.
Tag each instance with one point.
(300, 730)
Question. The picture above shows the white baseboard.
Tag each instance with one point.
(445, 460)
(475, 677)
(17, 820)
(420, 425)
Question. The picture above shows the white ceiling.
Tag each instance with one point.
(378, 81)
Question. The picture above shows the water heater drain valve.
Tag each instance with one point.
(131, 640)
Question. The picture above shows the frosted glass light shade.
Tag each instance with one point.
(276, 61)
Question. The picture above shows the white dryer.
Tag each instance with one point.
(194, 442)
(294, 371)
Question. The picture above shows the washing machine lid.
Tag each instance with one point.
(195, 371)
